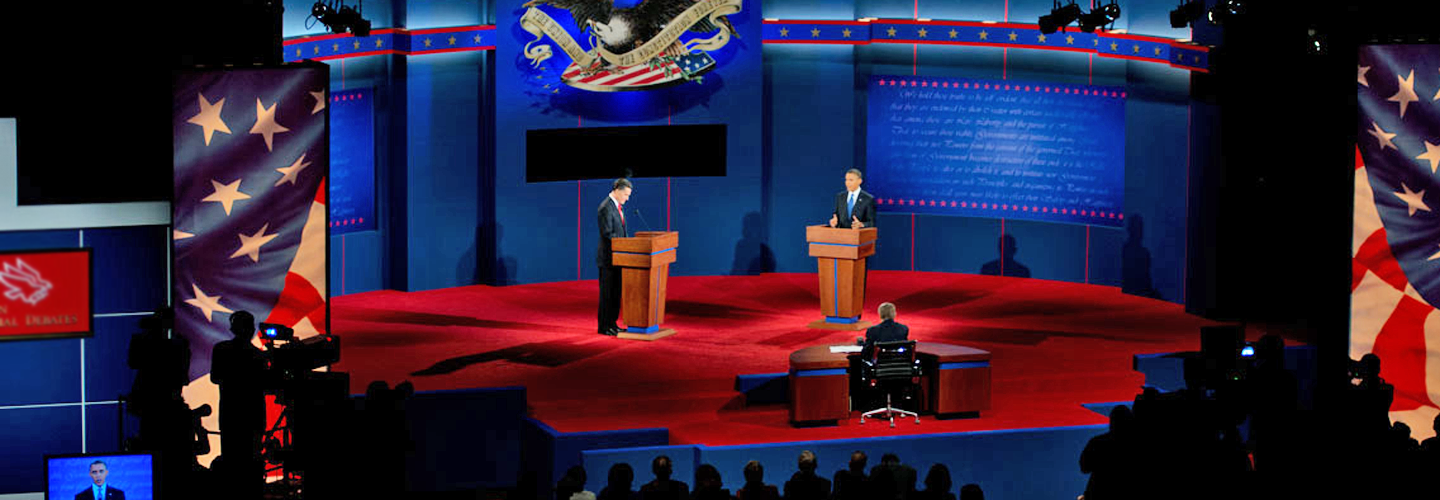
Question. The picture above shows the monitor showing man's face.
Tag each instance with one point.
(98, 473)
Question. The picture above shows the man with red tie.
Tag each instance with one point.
(612, 225)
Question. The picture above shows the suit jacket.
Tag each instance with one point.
(611, 226)
(886, 331)
(864, 209)
(668, 490)
(111, 493)
(802, 486)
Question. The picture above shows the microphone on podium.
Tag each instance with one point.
(642, 218)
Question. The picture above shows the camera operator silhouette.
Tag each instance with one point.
(238, 367)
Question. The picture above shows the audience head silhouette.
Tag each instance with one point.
(1007, 247)
(858, 460)
(971, 492)
(242, 324)
(661, 467)
(887, 311)
(621, 477)
(807, 462)
(938, 479)
(707, 477)
(1121, 419)
(754, 472)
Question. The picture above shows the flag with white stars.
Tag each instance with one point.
(251, 156)
(1396, 239)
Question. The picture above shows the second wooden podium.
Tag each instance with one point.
(841, 253)
(645, 269)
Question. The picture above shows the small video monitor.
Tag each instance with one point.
(117, 476)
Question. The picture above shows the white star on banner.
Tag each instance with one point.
(226, 194)
(206, 303)
(292, 172)
(250, 245)
(209, 118)
(1363, 70)
(1406, 94)
(265, 123)
(1432, 153)
(1383, 136)
(319, 101)
(1416, 201)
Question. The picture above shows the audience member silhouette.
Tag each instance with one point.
(1006, 265)
(619, 483)
(852, 483)
(1135, 261)
(805, 484)
(708, 485)
(663, 488)
(971, 492)
(937, 484)
(891, 479)
(1431, 445)
(755, 487)
(572, 486)
(237, 366)
(1106, 458)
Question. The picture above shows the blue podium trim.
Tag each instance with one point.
(840, 244)
(648, 329)
(820, 373)
(841, 319)
(671, 249)
(964, 365)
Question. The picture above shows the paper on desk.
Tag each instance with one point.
(846, 348)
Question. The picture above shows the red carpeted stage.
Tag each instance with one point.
(1054, 345)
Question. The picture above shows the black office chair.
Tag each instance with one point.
(891, 368)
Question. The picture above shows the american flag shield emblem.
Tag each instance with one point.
(1395, 247)
(658, 72)
(251, 157)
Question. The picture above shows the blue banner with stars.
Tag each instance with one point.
(391, 41)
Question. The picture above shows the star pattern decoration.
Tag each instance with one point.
(1361, 76)
(297, 52)
(265, 123)
(477, 38)
(1013, 36)
(292, 172)
(1197, 59)
(890, 32)
(1180, 57)
(1414, 201)
(953, 33)
(846, 33)
(984, 35)
(1137, 49)
(452, 39)
(335, 47)
(922, 32)
(250, 244)
(1157, 51)
(1096, 41)
(1041, 38)
(1069, 39)
(1432, 154)
(317, 50)
(784, 31)
(379, 43)
(357, 45)
(319, 101)
(206, 304)
(1383, 137)
(209, 118)
(1114, 46)
(226, 194)
(426, 42)
(814, 32)
(1406, 94)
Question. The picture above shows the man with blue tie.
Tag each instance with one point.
(100, 491)
(854, 208)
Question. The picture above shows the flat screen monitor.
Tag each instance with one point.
(68, 477)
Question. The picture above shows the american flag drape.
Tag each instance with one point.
(251, 155)
(1396, 241)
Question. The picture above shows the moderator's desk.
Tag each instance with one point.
(954, 380)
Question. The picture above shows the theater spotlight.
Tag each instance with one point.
(1101, 16)
(1187, 13)
(1059, 17)
(1227, 11)
(341, 19)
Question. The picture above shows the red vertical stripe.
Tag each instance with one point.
(917, 9)
(1091, 71)
(577, 230)
(1087, 253)
(1004, 62)
(342, 74)
(915, 59)
(1007, 11)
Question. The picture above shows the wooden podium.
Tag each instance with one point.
(645, 269)
(841, 253)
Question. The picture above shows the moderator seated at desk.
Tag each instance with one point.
(955, 381)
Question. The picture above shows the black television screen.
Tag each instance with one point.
(570, 154)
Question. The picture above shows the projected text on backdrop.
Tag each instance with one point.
(1008, 149)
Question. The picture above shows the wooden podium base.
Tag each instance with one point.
(659, 334)
(826, 325)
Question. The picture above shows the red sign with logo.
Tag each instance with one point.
(45, 293)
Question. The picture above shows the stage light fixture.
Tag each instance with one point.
(1100, 16)
(1059, 17)
(340, 19)
(1187, 13)
(1227, 11)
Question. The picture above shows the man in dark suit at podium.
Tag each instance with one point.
(854, 208)
(612, 225)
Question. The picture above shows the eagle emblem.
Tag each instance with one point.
(651, 44)
(24, 283)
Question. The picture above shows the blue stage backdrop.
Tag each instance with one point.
(352, 161)
(991, 148)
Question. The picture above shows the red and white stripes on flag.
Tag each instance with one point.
(301, 304)
(1389, 318)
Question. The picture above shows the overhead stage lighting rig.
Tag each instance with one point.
(1100, 16)
(340, 18)
(1187, 13)
(1227, 11)
(1060, 17)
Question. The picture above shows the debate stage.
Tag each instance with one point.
(1054, 347)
